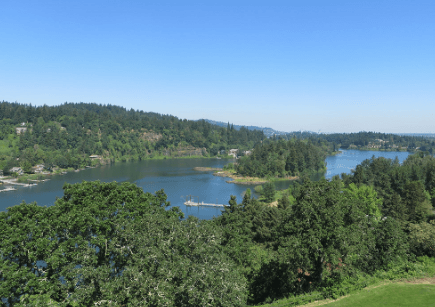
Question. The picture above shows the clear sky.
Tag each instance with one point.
(333, 66)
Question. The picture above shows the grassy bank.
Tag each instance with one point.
(239, 179)
(403, 283)
(389, 295)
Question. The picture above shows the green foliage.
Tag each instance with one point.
(268, 192)
(366, 194)
(282, 159)
(229, 167)
(324, 236)
(422, 238)
(258, 189)
(405, 189)
(248, 193)
(106, 242)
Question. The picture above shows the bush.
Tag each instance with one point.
(229, 167)
(422, 238)
(269, 192)
(258, 189)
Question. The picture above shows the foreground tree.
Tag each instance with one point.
(110, 244)
(330, 232)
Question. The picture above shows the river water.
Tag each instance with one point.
(177, 178)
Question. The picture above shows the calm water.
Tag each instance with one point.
(349, 159)
(177, 178)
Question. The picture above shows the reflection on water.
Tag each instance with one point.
(178, 179)
(347, 161)
(175, 176)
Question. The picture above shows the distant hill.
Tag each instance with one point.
(266, 130)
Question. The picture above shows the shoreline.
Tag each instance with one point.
(44, 176)
(238, 179)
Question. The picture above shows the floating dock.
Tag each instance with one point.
(8, 189)
(14, 182)
(192, 203)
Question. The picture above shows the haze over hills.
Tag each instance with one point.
(270, 131)
(266, 130)
(426, 135)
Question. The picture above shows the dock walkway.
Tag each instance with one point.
(191, 203)
(14, 182)
(8, 189)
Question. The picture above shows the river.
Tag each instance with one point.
(177, 178)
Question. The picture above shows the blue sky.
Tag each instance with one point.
(333, 66)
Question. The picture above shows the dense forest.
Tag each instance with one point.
(407, 190)
(66, 135)
(110, 244)
(285, 158)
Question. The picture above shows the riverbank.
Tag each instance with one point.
(206, 169)
(163, 157)
(27, 179)
(239, 179)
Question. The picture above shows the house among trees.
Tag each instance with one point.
(38, 168)
(17, 170)
(20, 130)
(233, 152)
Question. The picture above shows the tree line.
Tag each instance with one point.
(285, 158)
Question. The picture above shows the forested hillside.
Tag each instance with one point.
(116, 245)
(66, 135)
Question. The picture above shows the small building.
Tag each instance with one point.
(233, 152)
(94, 157)
(17, 170)
(20, 130)
(247, 152)
(38, 168)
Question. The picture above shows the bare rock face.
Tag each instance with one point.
(151, 136)
(186, 151)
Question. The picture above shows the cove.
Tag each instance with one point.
(177, 178)
(347, 160)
